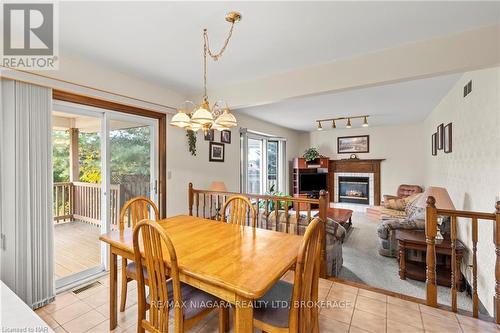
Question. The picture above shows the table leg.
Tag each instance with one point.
(243, 317)
(402, 262)
(113, 276)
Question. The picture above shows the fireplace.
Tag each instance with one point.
(354, 190)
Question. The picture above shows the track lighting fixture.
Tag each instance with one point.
(347, 119)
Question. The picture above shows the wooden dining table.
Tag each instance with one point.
(238, 264)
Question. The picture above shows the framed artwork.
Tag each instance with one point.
(434, 144)
(225, 136)
(210, 135)
(353, 144)
(216, 152)
(447, 134)
(440, 136)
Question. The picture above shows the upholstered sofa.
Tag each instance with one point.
(334, 233)
(398, 214)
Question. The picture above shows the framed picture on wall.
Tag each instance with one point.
(216, 152)
(440, 137)
(447, 133)
(210, 135)
(225, 136)
(353, 144)
(434, 144)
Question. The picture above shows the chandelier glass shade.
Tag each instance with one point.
(202, 116)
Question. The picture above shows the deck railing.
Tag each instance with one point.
(82, 202)
(270, 211)
(431, 231)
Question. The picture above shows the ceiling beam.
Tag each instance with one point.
(469, 50)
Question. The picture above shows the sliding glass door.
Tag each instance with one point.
(263, 163)
(132, 161)
(101, 159)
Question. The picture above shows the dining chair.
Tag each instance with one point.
(151, 247)
(135, 210)
(238, 206)
(295, 318)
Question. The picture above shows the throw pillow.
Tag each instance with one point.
(397, 204)
(412, 211)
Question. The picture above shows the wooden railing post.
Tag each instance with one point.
(190, 199)
(496, 240)
(323, 206)
(430, 239)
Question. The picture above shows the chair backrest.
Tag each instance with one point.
(405, 190)
(137, 209)
(150, 238)
(239, 205)
(303, 315)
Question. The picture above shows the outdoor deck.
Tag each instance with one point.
(77, 247)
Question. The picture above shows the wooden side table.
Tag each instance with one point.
(415, 240)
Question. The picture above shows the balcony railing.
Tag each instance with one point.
(77, 201)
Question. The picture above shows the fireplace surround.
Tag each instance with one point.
(353, 189)
(369, 168)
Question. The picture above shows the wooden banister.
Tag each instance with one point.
(430, 232)
(264, 202)
(430, 239)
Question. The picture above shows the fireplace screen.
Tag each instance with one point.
(354, 190)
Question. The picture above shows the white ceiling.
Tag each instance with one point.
(399, 103)
(161, 41)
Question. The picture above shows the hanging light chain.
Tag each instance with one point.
(214, 56)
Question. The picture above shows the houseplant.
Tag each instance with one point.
(311, 154)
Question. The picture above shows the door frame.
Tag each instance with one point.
(66, 96)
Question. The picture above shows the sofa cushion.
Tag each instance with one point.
(386, 226)
(412, 211)
(395, 203)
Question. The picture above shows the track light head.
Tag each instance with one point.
(365, 122)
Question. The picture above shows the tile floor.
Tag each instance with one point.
(347, 309)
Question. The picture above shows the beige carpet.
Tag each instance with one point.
(363, 264)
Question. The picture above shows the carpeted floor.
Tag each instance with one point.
(363, 264)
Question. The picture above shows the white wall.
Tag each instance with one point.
(471, 173)
(401, 146)
(183, 168)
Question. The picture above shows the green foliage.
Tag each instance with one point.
(281, 203)
(60, 156)
(191, 135)
(311, 154)
(129, 152)
(89, 153)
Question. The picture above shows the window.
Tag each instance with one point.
(263, 166)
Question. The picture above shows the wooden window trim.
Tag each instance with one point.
(65, 96)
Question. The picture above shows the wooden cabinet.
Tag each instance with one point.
(300, 166)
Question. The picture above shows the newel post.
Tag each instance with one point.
(190, 199)
(430, 239)
(496, 240)
(323, 206)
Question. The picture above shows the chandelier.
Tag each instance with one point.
(204, 117)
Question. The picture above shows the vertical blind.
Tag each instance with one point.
(26, 186)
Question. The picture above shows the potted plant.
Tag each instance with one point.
(311, 155)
